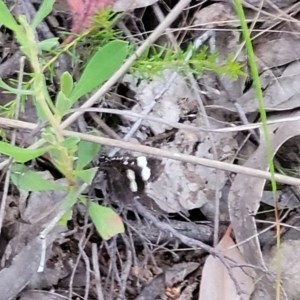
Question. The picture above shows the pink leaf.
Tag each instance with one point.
(83, 11)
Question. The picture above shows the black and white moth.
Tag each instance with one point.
(127, 176)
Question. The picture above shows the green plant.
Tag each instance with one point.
(155, 60)
(159, 58)
(69, 155)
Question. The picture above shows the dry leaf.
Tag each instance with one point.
(286, 199)
(216, 14)
(216, 283)
(279, 52)
(280, 93)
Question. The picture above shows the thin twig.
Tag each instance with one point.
(86, 259)
(96, 268)
(104, 126)
(181, 126)
(232, 128)
(160, 18)
(75, 267)
(126, 269)
(163, 153)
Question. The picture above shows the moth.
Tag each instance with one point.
(127, 176)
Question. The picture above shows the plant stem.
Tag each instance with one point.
(40, 89)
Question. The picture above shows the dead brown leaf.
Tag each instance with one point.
(217, 14)
(280, 93)
(216, 283)
(278, 52)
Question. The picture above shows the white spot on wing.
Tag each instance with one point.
(131, 177)
(142, 163)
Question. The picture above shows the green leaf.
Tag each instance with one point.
(69, 201)
(105, 62)
(70, 142)
(86, 176)
(45, 10)
(14, 91)
(106, 221)
(22, 154)
(48, 44)
(66, 83)
(49, 136)
(6, 18)
(63, 104)
(86, 153)
(29, 180)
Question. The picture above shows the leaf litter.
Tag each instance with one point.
(185, 190)
(216, 284)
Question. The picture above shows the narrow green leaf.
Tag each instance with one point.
(86, 176)
(14, 91)
(22, 154)
(29, 180)
(48, 44)
(66, 83)
(106, 221)
(86, 153)
(6, 17)
(105, 62)
(45, 9)
(63, 104)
